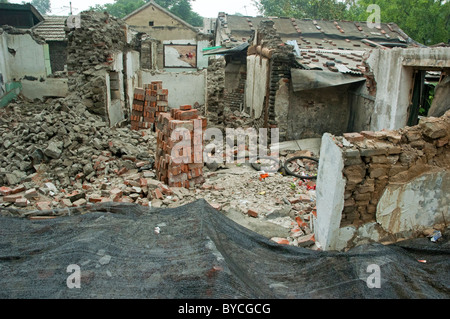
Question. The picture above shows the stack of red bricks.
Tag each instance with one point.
(180, 127)
(148, 102)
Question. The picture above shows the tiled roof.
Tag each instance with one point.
(343, 61)
(313, 33)
(336, 46)
(52, 28)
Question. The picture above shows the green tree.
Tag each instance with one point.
(300, 9)
(426, 21)
(180, 8)
(43, 6)
(183, 10)
(120, 8)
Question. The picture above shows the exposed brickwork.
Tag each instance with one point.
(216, 90)
(235, 100)
(375, 159)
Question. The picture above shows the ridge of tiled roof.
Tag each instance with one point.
(52, 28)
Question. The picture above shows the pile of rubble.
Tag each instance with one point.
(54, 156)
(52, 149)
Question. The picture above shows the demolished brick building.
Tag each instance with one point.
(337, 77)
(309, 79)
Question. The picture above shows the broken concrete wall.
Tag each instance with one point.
(391, 72)
(185, 88)
(51, 87)
(25, 56)
(25, 59)
(396, 184)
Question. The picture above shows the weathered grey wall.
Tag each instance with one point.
(393, 73)
(184, 88)
(256, 86)
(362, 108)
(330, 193)
(315, 112)
(23, 56)
(51, 87)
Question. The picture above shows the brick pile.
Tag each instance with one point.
(148, 103)
(174, 172)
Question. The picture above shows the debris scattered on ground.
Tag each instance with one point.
(58, 155)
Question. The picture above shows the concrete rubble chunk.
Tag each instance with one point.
(54, 150)
(433, 129)
(31, 193)
(106, 259)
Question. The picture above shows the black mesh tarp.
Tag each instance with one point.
(127, 251)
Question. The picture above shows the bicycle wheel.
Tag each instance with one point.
(303, 167)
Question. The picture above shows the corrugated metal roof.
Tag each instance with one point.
(52, 28)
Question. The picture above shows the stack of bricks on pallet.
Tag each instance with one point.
(175, 172)
(147, 104)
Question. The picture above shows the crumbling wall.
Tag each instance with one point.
(25, 67)
(380, 166)
(215, 91)
(24, 55)
(390, 80)
(91, 52)
(269, 62)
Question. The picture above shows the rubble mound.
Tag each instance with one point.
(64, 144)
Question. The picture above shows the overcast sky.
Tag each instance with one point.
(206, 8)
